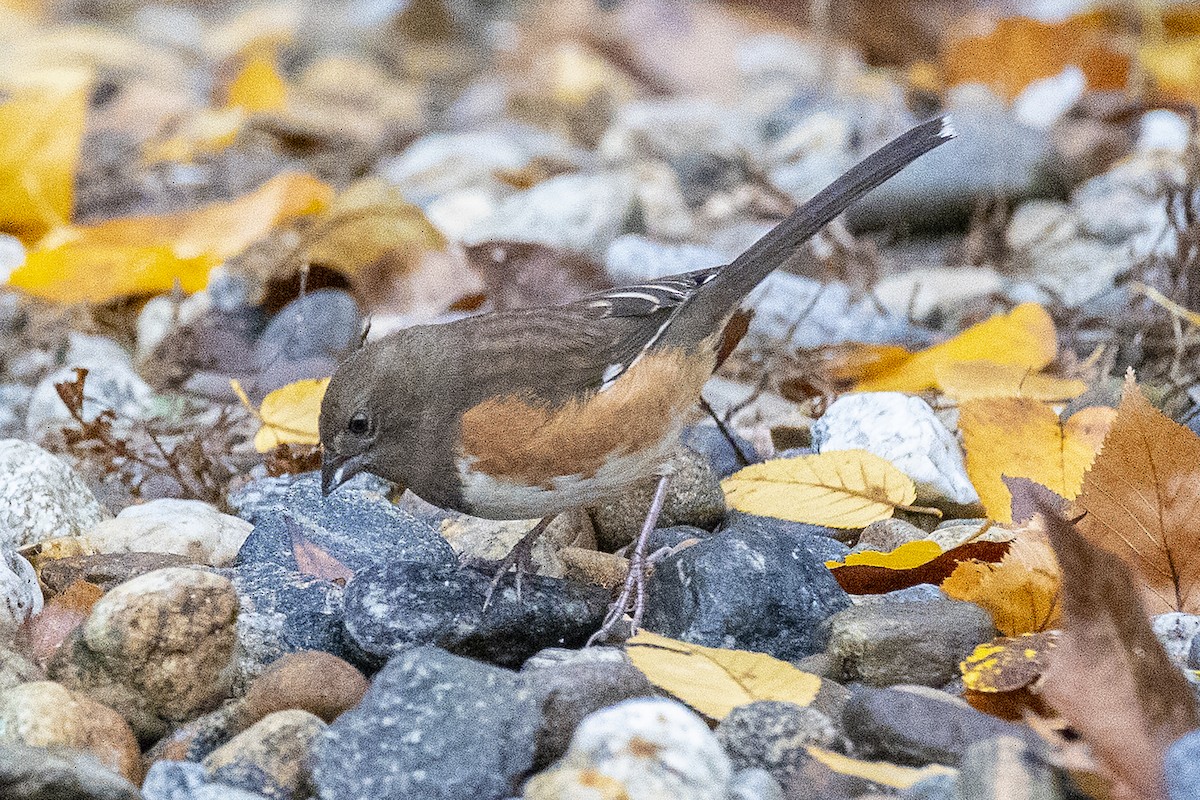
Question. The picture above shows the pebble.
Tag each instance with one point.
(953, 532)
(1007, 767)
(924, 292)
(579, 212)
(825, 542)
(20, 594)
(886, 535)
(45, 714)
(916, 725)
(694, 497)
(754, 784)
(903, 430)
(16, 669)
(320, 327)
(761, 590)
(189, 528)
(40, 496)
(162, 315)
(774, 736)
(106, 570)
(195, 739)
(641, 749)
(714, 445)
(270, 757)
(1182, 768)
(485, 540)
(157, 648)
(310, 680)
(397, 605)
(923, 642)
(1176, 631)
(808, 313)
(39, 773)
(184, 780)
(663, 128)
(432, 725)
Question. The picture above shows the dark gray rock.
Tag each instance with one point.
(825, 542)
(184, 780)
(919, 726)
(432, 725)
(773, 736)
(722, 455)
(357, 526)
(1006, 767)
(1183, 768)
(37, 773)
(674, 536)
(746, 590)
(882, 644)
(321, 324)
(398, 605)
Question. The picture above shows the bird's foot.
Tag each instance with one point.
(520, 557)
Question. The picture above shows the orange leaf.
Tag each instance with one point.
(1022, 438)
(1021, 592)
(969, 380)
(1025, 337)
(311, 559)
(1142, 498)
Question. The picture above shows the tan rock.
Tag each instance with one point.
(270, 757)
(311, 680)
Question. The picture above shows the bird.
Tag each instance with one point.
(528, 413)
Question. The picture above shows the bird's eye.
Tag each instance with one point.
(359, 424)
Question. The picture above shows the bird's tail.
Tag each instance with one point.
(749, 269)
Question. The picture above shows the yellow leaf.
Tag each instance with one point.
(1025, 337)
(715, 681)
(146, 255)
(882, 772)
(258, 86)
(970, 380)
(907, 555)
(1021, 592)
(839, 489)
(1008, 663)
(288, 414)
(1023, 438)
(41, 128)
(368, 222)
(207, 131)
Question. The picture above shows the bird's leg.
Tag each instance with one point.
(633, 591)
(521, 557)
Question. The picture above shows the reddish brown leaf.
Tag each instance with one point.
(315, 561)
(864, 579)
(1109, 676)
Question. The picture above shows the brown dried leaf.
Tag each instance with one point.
(879, 579)
(1142, 498)
(314, 560)
(1109, 676)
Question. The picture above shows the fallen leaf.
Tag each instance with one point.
(41, 131)
(883, 773)
(288, 415)
(258, 86)
(313, 560)
(971, 380)
(1000, 677)
(1019, 437)
(147, 255)
(839, 489)
(1109, 676)
(1142, 498)
(1021, 592)
(1024, 338)
(878, 573)
(206, 131)
(715, 681)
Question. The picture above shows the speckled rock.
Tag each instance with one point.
(38, 773)
(189, 528)
(40, 496)
(641, 750)
(903, 430)
(694, 497)
(184, 780)
(432, 725)
(1008, 767)
(773, 736)
(20, 594)
(923, 642)
(1175, 632)
(270, 757)
(1183, 768)
(45, 714)
(886, 535)
(158, 649)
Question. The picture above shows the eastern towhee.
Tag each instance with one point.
(529, 413)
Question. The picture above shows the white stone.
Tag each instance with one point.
(1043, 102)
(40, 496)
(654, 748)
(1161, 129)
(1175, 631)
(633, 258)
(162, 314)
(903, 430)
(188, 528)
(20, 595)
(808, 313)
(12, 255)
(923, 291)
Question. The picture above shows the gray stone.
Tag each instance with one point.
(16, 669)
(919, 727)
(754, 784)
(889, 643)
(184, 780)
(1182, 768)
(38, 773)
(40, 496)
(322, 325)
(640, 749)
(20, 594)
(1006, 767)
(818, 539)
(106, 570)
(392, 607)
(1176, 631)
(903, 430)
(633, 258)
(270, 757)
(809, 313)
(758, 591)
(938, 787)
(724, 456)
(774, 736)
(886, 535)
(694, 497)
(660, 129)
(432, 725)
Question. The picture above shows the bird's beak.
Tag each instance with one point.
(336, 470)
